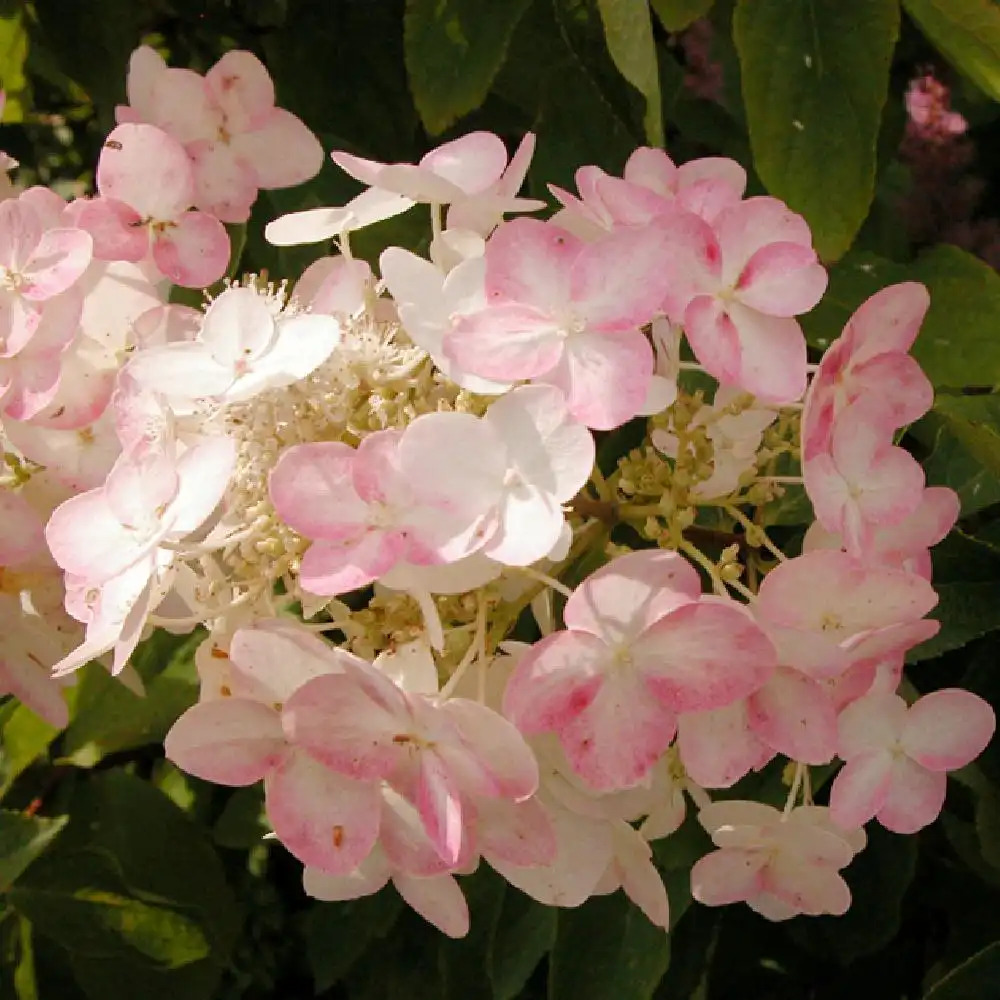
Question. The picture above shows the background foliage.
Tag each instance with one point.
(121, 878)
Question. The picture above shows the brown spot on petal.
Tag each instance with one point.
(338, 836)
(226, 691)
(218, 654)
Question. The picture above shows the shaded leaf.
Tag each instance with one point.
(453, 50)
(606, 948)
(676, 15)
(967, 33)
(974, 979)
(524, 935)
(815, 76)
(22, 839)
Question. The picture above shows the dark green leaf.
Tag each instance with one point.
(815, 76)
(22, 839)
(338, 934)
(967, 32)
(606, 948)
(24, 737)
(975, 979)
(13, 51)
(243, 822)
(454, 49)
(525, 933)
(950, 463)
(465, 962)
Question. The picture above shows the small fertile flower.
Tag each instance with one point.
(147, 189)
(870, 359)
(779, 865)
(568, 313)
(242, 349)
(897, 757)
(236, 138)
(640, 646)
(736, 286)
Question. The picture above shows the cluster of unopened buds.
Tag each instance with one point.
(361, 486)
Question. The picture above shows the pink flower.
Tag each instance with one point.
(640, 646)
(898, 756)
(779, 865)
(236, 138)
(147, 188)
(870, 359)
(567, 313)
(735, 286)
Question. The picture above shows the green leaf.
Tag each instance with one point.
(25, 982)
(676, 15)
(974, 979)
(465, 962)
(22, 839)
(525, 933)
(967, 33)
(13, 52)
(959, 342)
(243, 822)
(975, 423)
(338, 934)
(24, 737)
(628, 30)
(950, 463)
(606, 948)
(815, 76)
(109, 717)
(134, 893)
(454, 49)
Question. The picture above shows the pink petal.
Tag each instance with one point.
(148, 170)
(438, 899)
(555, 680)
(811, 889)
(898, 381)
(888, 321)
(117, 229)
(194, 251)
(614, 742)
(531, 523)
(242, 88)
(694, 263)
(640, 880)
(874, 722)
(604, 376)
(370, 876)
(795, 715)
(334, 285)
(57, 261)
(281, 151)
(703, 656)
(861, 788)
(342, 727)
(727, 876)
(718, 747)
(183, 107)
(230, 741)
(332, 568)
(619, 282)
(144, 68)
(518, 833)
(915, 797)
(225, 185)
(505, 341)
(764, 355)
(323, 818)
(782, 279)
(493, 759)
(31, 683)
(311, 226)
(531, 263)
(755, 223)
(947, 729)
(653, 169)
(623, 598)
(440, 805)
(311, 487)
(473, 162)
(185, 368)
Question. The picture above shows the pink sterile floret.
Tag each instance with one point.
(779, 865)
(640, 646)
(870, 359)
(227, 122)
(898, 756)
(569, 313)
(146, 185)
(736, 285)
(864, 481)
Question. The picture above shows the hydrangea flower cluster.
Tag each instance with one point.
(370, 489)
